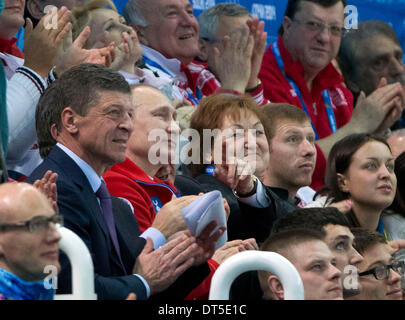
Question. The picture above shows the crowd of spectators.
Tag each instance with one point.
(116, 127)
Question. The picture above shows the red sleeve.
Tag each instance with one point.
(203, 290)
(207, 83)
(123, 187)
(318, 177)
(275, 86)
(258, 95)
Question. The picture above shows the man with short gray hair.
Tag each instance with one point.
(222, 21)
(169, 33)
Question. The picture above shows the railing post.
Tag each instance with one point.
(82, 267)
(245, 261)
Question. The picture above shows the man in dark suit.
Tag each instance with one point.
(88, 112)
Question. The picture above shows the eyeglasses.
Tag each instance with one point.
(317, 26)
(36, 224)
(383, 272)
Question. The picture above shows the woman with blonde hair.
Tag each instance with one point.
(107, 26)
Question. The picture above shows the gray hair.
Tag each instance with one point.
(397, 133)
(209, 19)
(347, 57)
(134, 13)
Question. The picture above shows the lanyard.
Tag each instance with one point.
(325, 94)
(156, 65)
(381, 230)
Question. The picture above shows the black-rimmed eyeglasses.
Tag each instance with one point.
(383, 272)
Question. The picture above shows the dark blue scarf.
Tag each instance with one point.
(13, 288)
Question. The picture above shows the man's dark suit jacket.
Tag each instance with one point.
(82, 214)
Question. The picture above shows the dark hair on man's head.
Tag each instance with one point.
(293, 6)
(309, 219)
(275, 112)
(78, 89)
(348, 56)
(364, 238)
(340, 158)
(284, 243)
(278, 242)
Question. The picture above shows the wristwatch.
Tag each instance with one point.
(251, 193)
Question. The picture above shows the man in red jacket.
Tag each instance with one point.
(134, 179)
(298, 69)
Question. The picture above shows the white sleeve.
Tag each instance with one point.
(23, 92)
(257, 200)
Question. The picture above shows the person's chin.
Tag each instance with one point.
(303, 179)
(335, 297)
(318, 60)
(351, 293)
(51, 260)
(119, 157)
(335, 294)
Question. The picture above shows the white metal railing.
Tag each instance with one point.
(82, 267)
(245, 261)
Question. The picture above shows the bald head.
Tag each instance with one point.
(20, 202)
(25, 252)
(147, 95)
(397, 142)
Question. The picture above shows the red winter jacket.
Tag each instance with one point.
(147, 195)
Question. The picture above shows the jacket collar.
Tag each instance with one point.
(173, 66)
(77, 176)
(283, 195)
(326, 78)
(136, 173)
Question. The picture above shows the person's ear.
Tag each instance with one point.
(203, 46)
(275, 287)
(342, 183)
(69, 119)
(140, 32)
(54, 131)
(35, 9)
(287, 22)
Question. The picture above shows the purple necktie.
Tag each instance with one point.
(106, 206)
